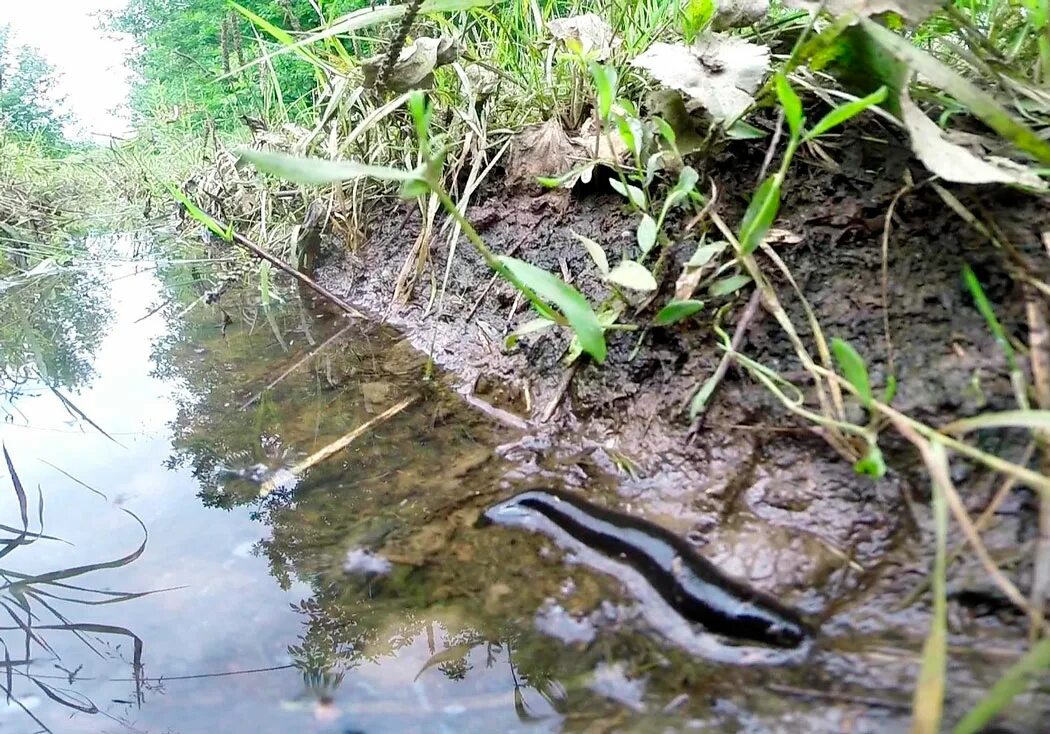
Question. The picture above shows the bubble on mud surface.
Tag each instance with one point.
(366, 563)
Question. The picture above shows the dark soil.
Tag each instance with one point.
(757, 490)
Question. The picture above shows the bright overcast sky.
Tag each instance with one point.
(89, 62)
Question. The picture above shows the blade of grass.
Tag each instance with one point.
(1012, 683)
(928, 703)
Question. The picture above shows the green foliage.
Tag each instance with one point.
(28, 105)
(187, 46)
(854, 369)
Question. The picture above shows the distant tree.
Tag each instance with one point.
(187, 49)
(28, 103)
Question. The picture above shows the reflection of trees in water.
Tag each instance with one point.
(356, 499)
(50, 328)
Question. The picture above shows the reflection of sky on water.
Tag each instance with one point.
(230, 616)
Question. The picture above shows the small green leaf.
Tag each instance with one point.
(760, 214)
(853, 369)
(414, 189)
(569, 301)
(202, 216)
(652, 165)
(605, 87)
(633, 194)
(687, 180)
(741, 130)
(891, 390)
(646, 233)
(532, 326)
(631, 134)
(699, 402)
(596, 252)
(791, 105)
(845, 112)
(872, 465)
(630, 274)
(676, 311)
(705, 253)
(628, 106)
(666, 131)
(728, 285)
(318, 171)
(419, 108)
(984, 306)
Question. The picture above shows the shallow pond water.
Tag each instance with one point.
(256, 624)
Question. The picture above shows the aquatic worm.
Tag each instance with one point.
(690, 585)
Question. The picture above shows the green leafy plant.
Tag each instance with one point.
(765, 203)
(554, 299)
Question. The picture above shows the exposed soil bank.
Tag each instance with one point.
(758, 491)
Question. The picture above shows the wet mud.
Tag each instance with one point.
(750, 487)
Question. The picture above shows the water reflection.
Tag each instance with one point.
(177, 383)
(52, 320)
(203, 392)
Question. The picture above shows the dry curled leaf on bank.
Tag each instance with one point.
(415, 66)
(913, 10)
(539, 150)
(955, 163)
(718, 73)
(738, 13)
(547, 151)
(587, 34)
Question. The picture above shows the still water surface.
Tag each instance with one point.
(256, 625)
(259, 628)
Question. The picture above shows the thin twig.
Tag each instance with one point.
(887, 230)
(313, 353)
(334, 447)
(748, 315)
(559, 394)
(942, 476)
(838, 697)
(284, 267)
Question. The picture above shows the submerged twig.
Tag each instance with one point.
(334, 447)
(277, 380)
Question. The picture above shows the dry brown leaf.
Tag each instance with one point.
(955, 163)
(540, 150)
(415, 66)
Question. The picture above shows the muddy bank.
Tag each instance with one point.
(754, 489)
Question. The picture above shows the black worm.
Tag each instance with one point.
(691, 585)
